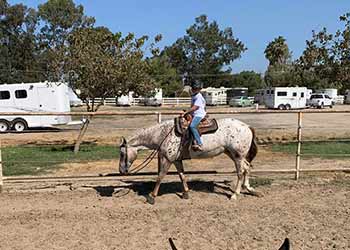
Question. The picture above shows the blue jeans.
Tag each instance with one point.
(193, 126)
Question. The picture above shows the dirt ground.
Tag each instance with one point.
(314, 212)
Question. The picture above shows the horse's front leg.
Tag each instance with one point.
(180, 169)
(164, 166)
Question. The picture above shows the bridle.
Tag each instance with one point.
(148, 159)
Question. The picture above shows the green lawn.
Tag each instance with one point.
(35, 160)
(316, 149)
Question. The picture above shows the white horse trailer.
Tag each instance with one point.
(125, 100)
(259, 96)
(285, 97)
(215, 96)
(33, 97)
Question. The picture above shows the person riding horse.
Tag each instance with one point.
(197, 112)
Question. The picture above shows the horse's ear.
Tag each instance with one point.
(122, 141)
(285, 245)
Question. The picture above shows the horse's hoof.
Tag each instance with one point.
(150, 199)
(233, 197)
(185, 195)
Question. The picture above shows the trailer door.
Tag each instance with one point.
(47, 99)
(47, 103)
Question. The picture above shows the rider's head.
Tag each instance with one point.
(196, 86)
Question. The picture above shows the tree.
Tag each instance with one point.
(325, 62)
(248, 79)
(102, 64)
(165, 76)
(205, 51)
(315, 63)
(341, 50)
(280, 71)
(277, 51)
(18, 51)
(60, 19)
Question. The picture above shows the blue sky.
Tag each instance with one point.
(254, 22)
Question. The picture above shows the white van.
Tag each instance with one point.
(33, 97)
(285, 97)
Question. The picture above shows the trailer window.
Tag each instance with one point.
(294, 94)
(282, 93)
(302, 94)
(4, 95)
(20, 94)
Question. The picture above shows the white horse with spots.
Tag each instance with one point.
(233, 137)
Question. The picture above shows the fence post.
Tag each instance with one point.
(297, 164)
(159, 116)
(1, 176)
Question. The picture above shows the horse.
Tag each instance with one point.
(233, 138)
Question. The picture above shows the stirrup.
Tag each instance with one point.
(196, 147)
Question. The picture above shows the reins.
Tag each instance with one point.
(149, 158)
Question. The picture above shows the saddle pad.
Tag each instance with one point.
(206, 126)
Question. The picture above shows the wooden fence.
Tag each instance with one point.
(158, 115)
(174, 101)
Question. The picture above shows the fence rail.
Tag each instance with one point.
(176, 101)
(158, 114)
(167, 112)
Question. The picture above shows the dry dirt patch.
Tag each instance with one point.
(313, 215)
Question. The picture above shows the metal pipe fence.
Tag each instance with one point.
(159, 114)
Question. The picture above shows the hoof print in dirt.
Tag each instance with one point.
(150, 199)
(185, 196)
(257, 194)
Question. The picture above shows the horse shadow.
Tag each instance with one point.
(143, 188)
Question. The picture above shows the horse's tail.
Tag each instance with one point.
(253, 150)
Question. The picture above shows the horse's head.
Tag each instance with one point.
(128, 155)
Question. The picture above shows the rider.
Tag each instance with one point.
(198, 113)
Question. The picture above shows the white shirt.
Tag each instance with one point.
(199, 101)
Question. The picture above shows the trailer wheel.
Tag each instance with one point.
(288, 107)
(4, 125)
(281, 107)
(19, 125)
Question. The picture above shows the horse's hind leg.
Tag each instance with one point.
(246, 171)
(240, 177)
(246, 184)
(163, 170)
(180, 169)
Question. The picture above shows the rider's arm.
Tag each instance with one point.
(193, 108)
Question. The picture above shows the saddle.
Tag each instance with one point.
(206, 126)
